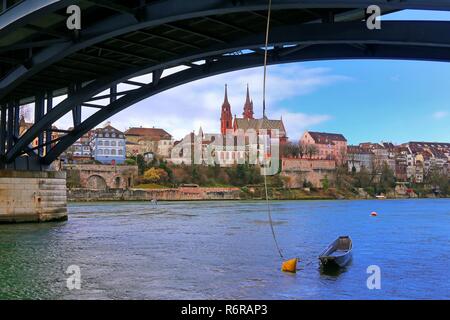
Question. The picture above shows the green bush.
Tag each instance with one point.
(130, 162)
(370, 191)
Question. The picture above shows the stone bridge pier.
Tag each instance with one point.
(32, 196)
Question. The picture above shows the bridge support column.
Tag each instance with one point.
(32, 196)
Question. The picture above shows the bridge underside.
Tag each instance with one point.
(98, 67)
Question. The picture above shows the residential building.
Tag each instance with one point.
(80, 151)
(426, 156)
(108, 145)
(327, 146)
(384, 153)
(143, 140)
(402, 157)
(359, 158)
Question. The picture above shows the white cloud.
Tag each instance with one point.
(440, 114)
(297, 123)
(187, 107)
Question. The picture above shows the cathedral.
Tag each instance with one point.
(248, 122)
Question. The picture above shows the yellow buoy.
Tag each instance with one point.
(289, 265)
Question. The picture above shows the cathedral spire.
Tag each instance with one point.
(226, 118)
(225, 100)
(247, 100)
(248, 106)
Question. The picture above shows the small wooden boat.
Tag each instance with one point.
(338, 253)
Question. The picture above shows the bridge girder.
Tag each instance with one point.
(159, 13)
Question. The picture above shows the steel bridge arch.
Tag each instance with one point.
(421, 47)
(201, 72)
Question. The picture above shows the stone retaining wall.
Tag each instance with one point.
(28, 196)
(179, 194)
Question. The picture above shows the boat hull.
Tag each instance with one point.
(334, 262)
(338, 253)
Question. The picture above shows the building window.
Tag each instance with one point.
(113, 143)
(106, 144)
(100, 143)
(100, 151)
(113, 152)
(120, 152)
(106, 152)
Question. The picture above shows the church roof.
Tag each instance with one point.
(260, 124)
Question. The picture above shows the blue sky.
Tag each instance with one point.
(366, 100)
(382, 100)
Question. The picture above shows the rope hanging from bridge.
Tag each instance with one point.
(289, 265)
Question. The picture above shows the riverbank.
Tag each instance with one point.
(208, 194)
(167, 194)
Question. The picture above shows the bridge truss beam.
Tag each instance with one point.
(164, 13)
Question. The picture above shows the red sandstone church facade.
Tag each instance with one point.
(248, 122)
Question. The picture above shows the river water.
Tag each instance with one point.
(225, 250)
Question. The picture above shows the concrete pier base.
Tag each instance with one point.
(32, 196)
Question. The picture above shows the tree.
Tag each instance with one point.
(290, 149)
(311, 150)
(153, 175)
(163, 175)
(325, 183)
(141, 163)
(362, 178)
(170, 177)
(437, 179)
(195, 174)
(387, 179)
(301, 149)
(342, 179)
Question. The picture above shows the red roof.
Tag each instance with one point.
(106, 129)
(358, 150)
(326, 138)
(154, 133)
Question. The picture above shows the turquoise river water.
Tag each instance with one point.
(225, 250)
